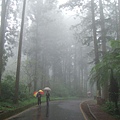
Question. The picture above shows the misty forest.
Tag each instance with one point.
(71, 46)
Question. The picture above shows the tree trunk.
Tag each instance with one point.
(19, 56)
(103, 31)
(103, 38)
(81, 69)
(2, 34)
(114, 91)
(94, 33)
(119, 20)
(75, 70)
(36, 66)
(69, 71)
(95, 42)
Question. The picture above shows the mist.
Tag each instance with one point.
(62, 44)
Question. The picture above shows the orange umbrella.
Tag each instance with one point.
(35, 93)
(41, 92)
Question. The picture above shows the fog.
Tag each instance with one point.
(58, 44)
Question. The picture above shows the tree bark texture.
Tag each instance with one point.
(103, 38)
(119, 19)
(95, 41)
(2, 35)
(19, 55)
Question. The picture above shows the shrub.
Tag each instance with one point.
(8, 89)
(109, 107)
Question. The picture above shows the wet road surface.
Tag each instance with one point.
(58, 110)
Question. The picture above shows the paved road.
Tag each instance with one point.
(58, 110)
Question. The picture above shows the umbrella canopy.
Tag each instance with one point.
(47, 89)
(88, 92)
(41, 92)
(35, 93)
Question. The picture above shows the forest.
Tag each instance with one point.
(72, 47)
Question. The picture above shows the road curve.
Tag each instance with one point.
(57, 110)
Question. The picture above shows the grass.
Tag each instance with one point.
(9, 105)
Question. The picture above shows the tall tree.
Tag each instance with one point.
(2, 35)
(114, 91)
(119, 20)
(95, 42)
(103, 38)
(19, 55)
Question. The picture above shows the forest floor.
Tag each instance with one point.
(94, 112)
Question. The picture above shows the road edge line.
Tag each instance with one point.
(84, 115)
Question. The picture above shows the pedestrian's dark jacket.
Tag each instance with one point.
(48, 95)
(38, 95)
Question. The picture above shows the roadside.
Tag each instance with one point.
(9, 113)
(93, 111)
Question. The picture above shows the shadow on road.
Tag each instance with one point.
(47, 111)
(39, 117)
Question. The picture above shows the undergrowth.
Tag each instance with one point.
(109, 107)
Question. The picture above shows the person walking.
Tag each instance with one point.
(47, 97)
(89, 94)
(39, 98)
